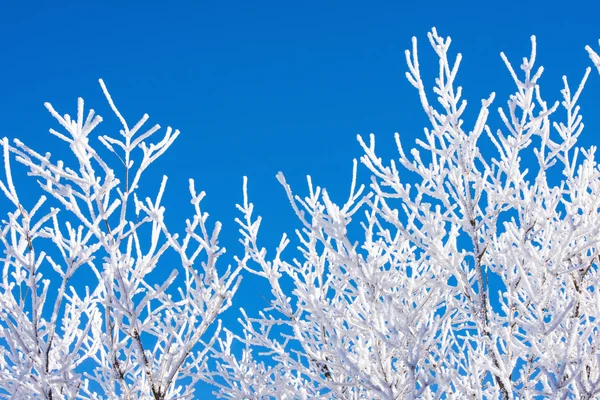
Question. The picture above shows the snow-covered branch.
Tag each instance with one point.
(122, 337)
(467, 268)
(478, 280)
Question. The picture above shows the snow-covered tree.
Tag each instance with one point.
(79, 317)
(478, 281)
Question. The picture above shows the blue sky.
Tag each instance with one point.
(261, 87)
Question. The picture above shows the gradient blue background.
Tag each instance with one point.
(266, 86)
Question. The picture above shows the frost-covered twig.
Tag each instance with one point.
(404, 307)
(124, 337)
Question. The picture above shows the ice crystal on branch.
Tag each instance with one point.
(406, 312)
(121, 338)
(477, 281)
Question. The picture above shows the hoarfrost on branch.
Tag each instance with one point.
(390, 294)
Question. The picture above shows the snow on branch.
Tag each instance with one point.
(390, 296)
(466, 268)
(119, 336)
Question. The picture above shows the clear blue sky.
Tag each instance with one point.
(258, 87)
